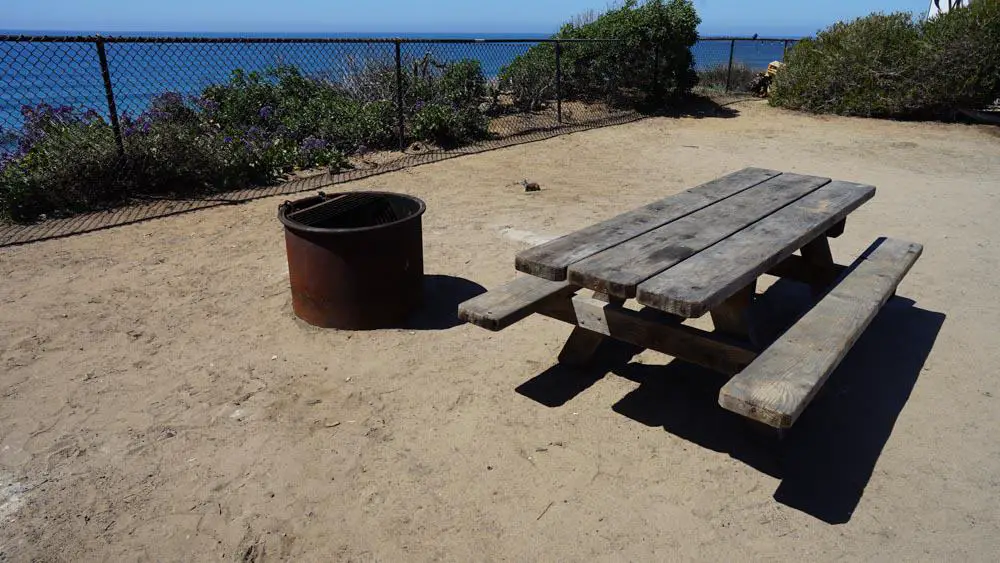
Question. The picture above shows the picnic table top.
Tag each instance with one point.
(689, 252)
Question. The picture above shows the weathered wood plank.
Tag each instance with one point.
(551, 259)
(653, 330)
(779, 384)
(620, 269)
(501, 307)
(695, 286)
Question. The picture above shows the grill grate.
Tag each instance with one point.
(349, 211)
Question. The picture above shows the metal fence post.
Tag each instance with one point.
(784, 54)
(729, 74)
(559, 82)
(400, 118)
(109, 92)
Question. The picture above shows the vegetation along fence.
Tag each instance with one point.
(167, 124)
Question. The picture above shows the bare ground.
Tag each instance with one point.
(159, 401)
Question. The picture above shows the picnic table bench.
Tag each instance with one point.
(702, 251)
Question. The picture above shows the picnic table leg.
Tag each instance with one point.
(838, 229)
(582, 345)
(733, 318)
(580, 348)
(819, 257)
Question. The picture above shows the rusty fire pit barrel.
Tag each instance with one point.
(355, 260)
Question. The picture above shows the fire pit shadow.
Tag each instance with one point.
(442, 296)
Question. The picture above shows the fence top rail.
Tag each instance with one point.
(738, 38)
(388, 40)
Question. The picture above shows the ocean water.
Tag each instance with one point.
(67, 73)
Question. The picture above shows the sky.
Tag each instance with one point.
(784, 18)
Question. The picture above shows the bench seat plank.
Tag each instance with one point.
(551, 259)
(697, 285)
(619, 270)
(501, 307)
(781, 382)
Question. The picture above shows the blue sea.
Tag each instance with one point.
(65, 73)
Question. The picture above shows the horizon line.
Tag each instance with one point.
(357, 34)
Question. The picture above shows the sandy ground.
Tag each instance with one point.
(158, 400)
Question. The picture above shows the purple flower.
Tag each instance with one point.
(168, 99)
(154, 115)
(91, 115)
(419, 105)
(129, 131)
(266, 112)
(227, 139)
(145, 126)
(207, 104)
(313, 144)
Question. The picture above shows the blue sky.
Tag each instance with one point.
(766, 17)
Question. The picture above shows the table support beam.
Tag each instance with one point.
(796, 268)
(581, 348)
(818, 255)
(733, 317)
(647, 329)
(583, 344)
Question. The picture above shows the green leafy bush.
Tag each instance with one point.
(960, 59)
(657, 31)
(446, 126)
(71, 165)
(892, 65)
(462, 83)
(248, 131)
(283, 102)
(866, 67)
(531, 77)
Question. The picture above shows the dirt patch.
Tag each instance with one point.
(158, 389)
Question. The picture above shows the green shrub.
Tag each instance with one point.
(71, 166)
(68, 162)
(614, 71)
(462, 83)
(531, 77)
(866, 67)
(891, 65)
(446, 126)
(377, 124)
(432, 122)
(960, 59)
(469, 124)
(248, 131)
(440, 102)
(371, 80)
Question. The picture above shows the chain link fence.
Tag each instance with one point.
(321, 111)
(728, 66)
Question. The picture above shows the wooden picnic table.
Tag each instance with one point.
(702, 251)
